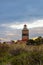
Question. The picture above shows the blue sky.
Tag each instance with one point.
(18, 12)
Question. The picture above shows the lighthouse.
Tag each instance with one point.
(25, 33)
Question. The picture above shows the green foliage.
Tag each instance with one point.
(19, 54)
(4, 53)
(20, 59)
(30, 42)
(35, 58)
(32, 58)
(4, 48)
(37, 41)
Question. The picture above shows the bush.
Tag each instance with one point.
(30, 42)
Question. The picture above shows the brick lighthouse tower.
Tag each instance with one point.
(25, 33)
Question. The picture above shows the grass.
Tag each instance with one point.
(21, 54)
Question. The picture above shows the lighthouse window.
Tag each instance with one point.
(24, 34)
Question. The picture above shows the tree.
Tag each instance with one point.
(30, 42)
(39, 40)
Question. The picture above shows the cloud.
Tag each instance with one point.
(11, 34)
(35, 32)
(14, 14)
(37, 23)
(16, 34)
(13, 31)
(4, 39)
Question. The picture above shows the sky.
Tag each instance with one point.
(15, 13)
